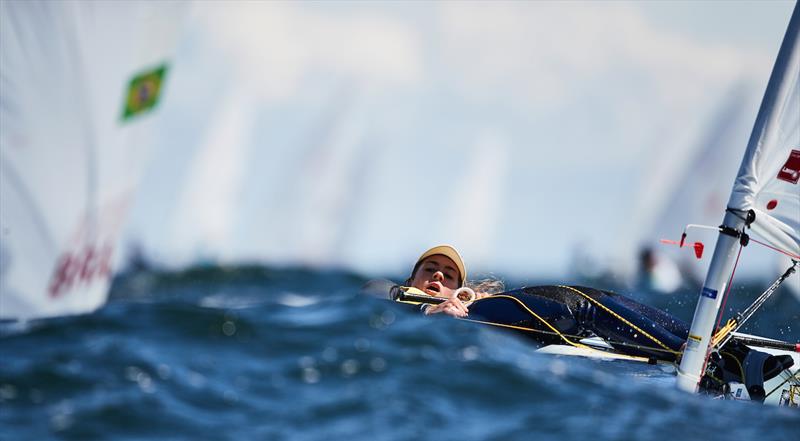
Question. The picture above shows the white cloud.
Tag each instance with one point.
(275, 45)
(548, 52)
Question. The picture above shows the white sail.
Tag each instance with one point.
(79, 82)
(768, 180)
(767, 183)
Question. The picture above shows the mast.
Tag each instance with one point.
(766, 136)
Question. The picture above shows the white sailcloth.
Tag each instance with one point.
(769, 177)
(79, 83)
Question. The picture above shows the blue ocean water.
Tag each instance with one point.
(292, 354)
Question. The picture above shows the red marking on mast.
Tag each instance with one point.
(772, 204)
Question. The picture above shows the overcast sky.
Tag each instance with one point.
(357, 134)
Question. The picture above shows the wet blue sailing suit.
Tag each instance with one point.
(575, 311)
(550, 314)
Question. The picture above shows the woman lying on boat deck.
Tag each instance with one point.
(548, 314)
(561, 314)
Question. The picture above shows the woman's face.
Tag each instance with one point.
(437, 275)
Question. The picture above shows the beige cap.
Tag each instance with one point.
(447, 251)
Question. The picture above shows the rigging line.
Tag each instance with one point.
(577, 337)
(725, 333)
(415, 301)
(794, 376)
(741, 368)
(708, 374)
(622, 319)
(728, 291)
(722, 333)
(525, 307)
(521, 304)
(577, 345)
(790, 254)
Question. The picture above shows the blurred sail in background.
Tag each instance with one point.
(685, 183)
(695, 192)
(81, 84)
(355, 135)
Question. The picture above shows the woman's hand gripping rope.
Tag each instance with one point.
(456, 305)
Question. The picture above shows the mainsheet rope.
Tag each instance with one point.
(728, 291)
(564, 336)
(622, 319)
(723, 335)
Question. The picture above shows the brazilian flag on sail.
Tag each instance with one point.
(143, 92)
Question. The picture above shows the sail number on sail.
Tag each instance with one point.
(83, 265)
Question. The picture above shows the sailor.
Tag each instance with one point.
(439, 272)
(557, 314)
